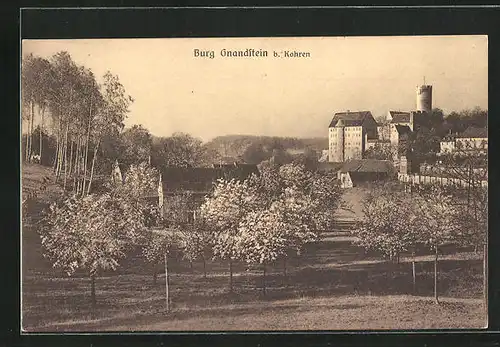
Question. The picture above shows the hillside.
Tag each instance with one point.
(236, 145)
(38, 188)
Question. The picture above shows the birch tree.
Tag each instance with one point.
(36, 74)
(109, 120)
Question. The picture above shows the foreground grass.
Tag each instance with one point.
(333, 313)
(334, 285)
(320, 294)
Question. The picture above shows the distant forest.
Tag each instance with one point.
(254, 149)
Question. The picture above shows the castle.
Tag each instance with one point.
(351, 134)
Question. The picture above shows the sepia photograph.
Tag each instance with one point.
(254, 184)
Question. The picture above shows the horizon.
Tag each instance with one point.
(175, 91)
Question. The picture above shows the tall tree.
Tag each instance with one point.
(137, 145)
(109, 119)
(36, 74)
(180, 150)
(63, 102)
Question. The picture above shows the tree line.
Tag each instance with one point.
(424, 142)
(398, 220)
(258, 221)
(67, 101)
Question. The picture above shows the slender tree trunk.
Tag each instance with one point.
(32, 116)
(485, 274)
(77, 164)
(27, 145)
(230, 276)
(82, 167)
(66, 156)
(285, 277)
(436, 299)
(204, 267)
(87, 149)
(92, 291)
(155, 273)
(60, 156)
(264, 280)
(71, 157)
(57, 151)
(167, 299)
(28, 134)
(93, 165)
(414, 275)
(41, 133)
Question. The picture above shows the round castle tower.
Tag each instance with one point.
(424, 98)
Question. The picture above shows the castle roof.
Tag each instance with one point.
(400, 117)
(344, 119)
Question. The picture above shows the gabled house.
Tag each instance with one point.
(473, 138)
(355, 172)
(198, 182)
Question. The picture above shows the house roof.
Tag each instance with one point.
(329, 166)
(402, 129)
(356, 118)
(203, 178)
(474, 132)
(367, 165)
(400, 117)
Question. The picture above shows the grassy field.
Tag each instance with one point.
(334, 285)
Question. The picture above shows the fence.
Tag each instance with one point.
(422, 179)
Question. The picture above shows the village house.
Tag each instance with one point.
(191, 183)
(198, 182)
(359, 171)
(472, 139)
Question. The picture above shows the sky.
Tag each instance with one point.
(176, 91)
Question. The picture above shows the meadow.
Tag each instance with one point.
(334, 285)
